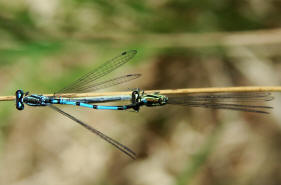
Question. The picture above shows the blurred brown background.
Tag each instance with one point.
(197, 43)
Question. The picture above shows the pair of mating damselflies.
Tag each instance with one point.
(91, 82)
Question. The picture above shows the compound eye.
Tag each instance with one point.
(20, 106)
(19, 94)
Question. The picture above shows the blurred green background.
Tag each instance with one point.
(195, 43)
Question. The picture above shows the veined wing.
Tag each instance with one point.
(240, 101)
(115, 143)
(99, 72)
(93, 86)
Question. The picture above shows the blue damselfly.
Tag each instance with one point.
(88, 82)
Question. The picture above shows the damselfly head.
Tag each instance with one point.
(19, 99)
(154, 99)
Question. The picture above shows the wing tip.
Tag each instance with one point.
(134, 75)
(129, 52)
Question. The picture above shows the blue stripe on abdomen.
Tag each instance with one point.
(67, 102)
(107, 107)
(86, 105)
(101, 107)
(55, 101)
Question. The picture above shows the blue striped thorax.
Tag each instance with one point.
(36, 100)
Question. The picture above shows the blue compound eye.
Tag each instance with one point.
(20, 106)
(19, 100)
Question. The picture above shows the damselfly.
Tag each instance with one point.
(89, 82)
(239, 101)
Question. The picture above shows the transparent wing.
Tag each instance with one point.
(240, 101)
(92, 86)
(99, 72)
(115, 143)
